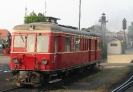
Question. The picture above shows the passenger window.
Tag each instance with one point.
(88, 44)
(77, 44)
(99, 45)
(67, 46)
(72, 43)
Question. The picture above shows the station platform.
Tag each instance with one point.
(116, 64)
(121, 58)
(4, 59)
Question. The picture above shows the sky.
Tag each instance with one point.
(13, 12)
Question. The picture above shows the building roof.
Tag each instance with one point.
(3, 33)
(114, 39)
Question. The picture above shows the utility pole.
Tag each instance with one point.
(26, 11)
(45, 9)
(79, 12)
(124, 24)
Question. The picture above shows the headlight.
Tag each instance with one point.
(44, 61)
(15, 60)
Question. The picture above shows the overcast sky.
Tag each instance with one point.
(12, 12)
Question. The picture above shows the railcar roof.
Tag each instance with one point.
(50, 27)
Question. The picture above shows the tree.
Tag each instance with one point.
(94, 28)
(90, 28)
(33, 17)
(2, 41)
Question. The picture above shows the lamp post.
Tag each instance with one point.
(124, 24)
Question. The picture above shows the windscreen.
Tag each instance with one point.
(30, 43)
(19, 41)
(42, 43)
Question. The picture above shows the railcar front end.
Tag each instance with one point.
(32, 57)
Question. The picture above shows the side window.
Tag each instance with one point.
(72, 43)
(77, 44)
(67, 44)
(88, 44)
(99, 44)
(83, 44)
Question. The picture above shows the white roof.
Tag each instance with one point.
(50, 27)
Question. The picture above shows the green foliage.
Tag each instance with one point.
(41, 18)
(33, 17)
(1, 41)
(130, 31)
(94, 27)
(90, 28)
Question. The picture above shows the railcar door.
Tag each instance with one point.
(55, 51)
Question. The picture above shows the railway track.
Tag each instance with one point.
(10, 89)
(126, 85)
(69, 80)
(51, 86)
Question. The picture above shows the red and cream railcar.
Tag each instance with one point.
(39, 50)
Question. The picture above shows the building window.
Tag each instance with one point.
(113, 44)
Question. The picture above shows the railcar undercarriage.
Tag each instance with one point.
(28, 78)
(36, 79)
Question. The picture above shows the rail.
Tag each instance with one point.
(124, 86)
(10, 89)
